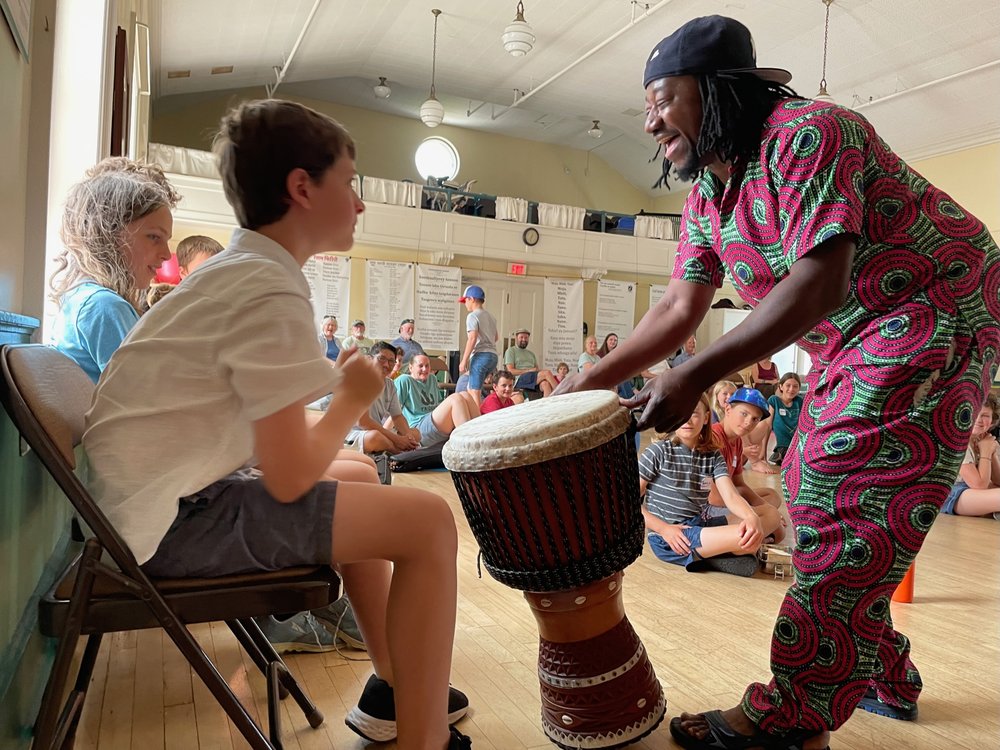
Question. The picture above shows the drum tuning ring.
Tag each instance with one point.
(612, 585)
(546, 602)
(580, 599)
(567, 720)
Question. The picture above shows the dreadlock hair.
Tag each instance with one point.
(734, 107)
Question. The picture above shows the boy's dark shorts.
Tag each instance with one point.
(235, 526)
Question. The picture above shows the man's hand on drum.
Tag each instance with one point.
(668, 399)
(751, 533)
(673, 535)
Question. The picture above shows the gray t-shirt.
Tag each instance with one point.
(486, 325)
(679, 480)
(386, 405)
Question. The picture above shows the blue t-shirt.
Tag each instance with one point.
(332, 348)
(91, 324)
(410, 348)
(786, 419)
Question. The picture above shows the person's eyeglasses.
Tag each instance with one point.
(386, 360)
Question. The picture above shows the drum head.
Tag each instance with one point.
(536, 431)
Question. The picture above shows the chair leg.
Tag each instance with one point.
(210, 676)
(275, 671)
(49, 727)
(313, 715)
(79, 694)
(251, 648)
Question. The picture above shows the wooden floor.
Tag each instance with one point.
(707, 635)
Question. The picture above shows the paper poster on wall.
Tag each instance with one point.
(329, 278)
(615, 309)
(563, 316)
(437, 310)
(656, 292)
(390, 298)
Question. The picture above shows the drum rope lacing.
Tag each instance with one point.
(494, 490)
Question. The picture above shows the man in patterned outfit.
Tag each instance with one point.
(892, 288)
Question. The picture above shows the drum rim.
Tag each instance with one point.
(478, 453)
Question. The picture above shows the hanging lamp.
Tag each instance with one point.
(381, 89)
(595, 130)
(432, 111)
(823, 96)
(518, 38)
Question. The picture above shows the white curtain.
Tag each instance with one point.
(512, 209)
(554, 215)
(181, 160)
(394, 192)
(656, 227)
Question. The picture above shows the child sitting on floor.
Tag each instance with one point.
(675, 476)
(785, 405)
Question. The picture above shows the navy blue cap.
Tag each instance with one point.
(710, 44)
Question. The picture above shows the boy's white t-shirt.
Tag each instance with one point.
(173, 412)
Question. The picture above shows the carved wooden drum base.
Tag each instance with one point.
(597, 684)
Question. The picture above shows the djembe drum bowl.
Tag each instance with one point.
(551, 492)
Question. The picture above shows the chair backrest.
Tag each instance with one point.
(55, 389)
(439, 369)
(47, 396)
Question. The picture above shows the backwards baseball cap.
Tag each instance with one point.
(358, 322)
(472, 291)
(751, 396)
(522, 330)
(710, 44)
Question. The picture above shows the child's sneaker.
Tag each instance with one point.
(299, 633)
(736, 565)
(374, 718)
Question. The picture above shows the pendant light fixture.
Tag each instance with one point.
(595, 130)
(822, 96)
(381, 89)
(432, 111)
(518, 38)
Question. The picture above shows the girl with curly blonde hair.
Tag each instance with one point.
(115, 228)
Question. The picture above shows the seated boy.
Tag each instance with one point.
(503, 389)
(745, 409)
(193, 251)
(249, 364)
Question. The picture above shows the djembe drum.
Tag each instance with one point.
(551, 492)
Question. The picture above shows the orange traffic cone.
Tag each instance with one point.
(904, 592)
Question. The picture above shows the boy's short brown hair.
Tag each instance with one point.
(260, 142)
(196, 244)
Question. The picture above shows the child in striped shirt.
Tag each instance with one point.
(675, 476)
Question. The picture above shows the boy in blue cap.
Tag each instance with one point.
(480, 356)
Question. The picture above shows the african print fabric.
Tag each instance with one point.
(898, 375)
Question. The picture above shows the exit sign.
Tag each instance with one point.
(517, 269)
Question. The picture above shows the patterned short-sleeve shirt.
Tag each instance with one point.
(921, 259)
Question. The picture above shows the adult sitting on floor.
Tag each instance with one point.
(382, 427)
(501, 398)
(523, 364)
(745, 408)
(425, 407)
